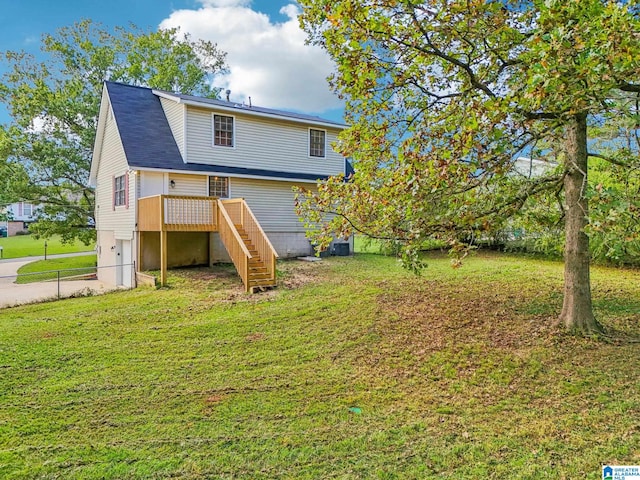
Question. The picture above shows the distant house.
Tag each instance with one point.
(532, 167)
(183, 180)
(19, 216)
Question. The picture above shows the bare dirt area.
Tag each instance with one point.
(221, 283)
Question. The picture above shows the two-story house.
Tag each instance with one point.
(183, 180)
(19, 216)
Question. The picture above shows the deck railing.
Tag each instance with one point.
(150, 214)
(167, 213)
(177, 213)
(241, 214)
(236, 248)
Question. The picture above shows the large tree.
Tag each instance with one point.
(54, 104)
(443, 95)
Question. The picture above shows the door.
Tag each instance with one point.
(127, 263)
(124, 263)
(119, 262)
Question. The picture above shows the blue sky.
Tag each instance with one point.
(266, 53)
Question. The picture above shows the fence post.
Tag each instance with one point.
(58, 284)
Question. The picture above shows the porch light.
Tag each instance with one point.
(172, 184)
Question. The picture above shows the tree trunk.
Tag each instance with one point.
(577, 310)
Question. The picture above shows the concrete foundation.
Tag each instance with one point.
(184, 249)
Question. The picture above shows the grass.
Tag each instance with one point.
(28, 246)
(42, 270)
(365, 244)
(352, 368)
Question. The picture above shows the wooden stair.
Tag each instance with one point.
(259, 275)
(248, 246)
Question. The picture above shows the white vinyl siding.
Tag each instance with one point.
(189, 185)
(175, 116)
(260, 143)
(150, 184)
(21, 211)
(113, 164)
(271, 202)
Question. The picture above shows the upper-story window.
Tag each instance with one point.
(223, 131)
(317, 139)
(24, 209)
(119, 195)
(27, 209)
(219, 187)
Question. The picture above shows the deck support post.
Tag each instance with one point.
(212, 251)
(139, 245)
(163, 258)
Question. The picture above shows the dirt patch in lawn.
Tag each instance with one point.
(295, 273)
(222, 283)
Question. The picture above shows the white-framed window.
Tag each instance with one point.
(27, 209)
(119, 193)
(223, 131)
(219, 187)
(317, 142)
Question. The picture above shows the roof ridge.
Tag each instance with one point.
(123, 84)
(240, 106)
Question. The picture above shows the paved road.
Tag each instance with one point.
(12, 294)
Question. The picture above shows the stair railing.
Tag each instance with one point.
(241, 214)
(234, 244)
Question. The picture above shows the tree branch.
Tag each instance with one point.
(629, 87)
(473, 79)
(608, 159)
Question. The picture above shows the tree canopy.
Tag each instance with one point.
(45, 153)
(443, 96)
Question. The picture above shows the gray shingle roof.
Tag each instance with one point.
(254, 109)
(148, 141)
(143, 127)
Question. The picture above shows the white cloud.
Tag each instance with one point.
(225, 3)
(268, 61)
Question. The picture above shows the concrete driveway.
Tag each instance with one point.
(9, 268)
(12, 294)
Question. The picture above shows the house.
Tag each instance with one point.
(183, 180)
(19, 216)
(532, 167)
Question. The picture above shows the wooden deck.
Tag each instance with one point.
(248, 246)
(178, 213)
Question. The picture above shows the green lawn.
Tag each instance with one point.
(352, 368)
(42, 270)
(28, 246)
